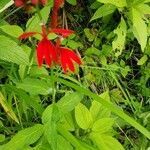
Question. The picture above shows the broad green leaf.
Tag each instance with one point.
(103, 11)
(36, 71)
(119, 43)
(143, 9)
(25, 138)
(142, 60)
(69, 101)
(106, 142)
(115, 109)
(93, 51)
(118, 3)
(34, 86)
(7, 108)
(34, 23)
(139, 28)
(11, 52)
(67, 122)
(63, 144)
(83, 116)
(103, 125)
(97, 110)
(72, 2)
(13, 30)
(50, 118)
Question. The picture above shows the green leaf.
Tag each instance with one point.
(97, 110)
(34, 23)
(106, 142)
(68, 122)
(50, 118)
(103, 11)
(118, 3)
(7, 108)
(143, 9)
(83, 116)
(13, 30)
(119, 42)
(103, 125)
(72, 2)
(142, 60)
(89, 34)
(69, 101)
(63, 144)
(139, 28)
(2, 138)
(25, 138)
(93, 51)
(4, 4)
(115, 109)
(11, 52)
(34, 86)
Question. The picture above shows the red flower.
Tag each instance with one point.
(45, 48)
(68, 58)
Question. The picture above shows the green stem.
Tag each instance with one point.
(115, 109)
(53, 86)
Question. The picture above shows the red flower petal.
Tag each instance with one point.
(67, 57)
(26, 35)
(45, 51)
(72, 55)
(63, 32)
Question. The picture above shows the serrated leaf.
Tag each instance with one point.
(119, 42)
(13, 30)
(103, 11)
(106, 142)
(103, 125)
(25, 137)
(118, 3)
(83, 116)
(69, 101)
(97, 110)
(50, 118)
(11, 52)
(139, 28)
(34, 86)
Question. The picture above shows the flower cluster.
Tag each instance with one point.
(53, 53)
(20, 3)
